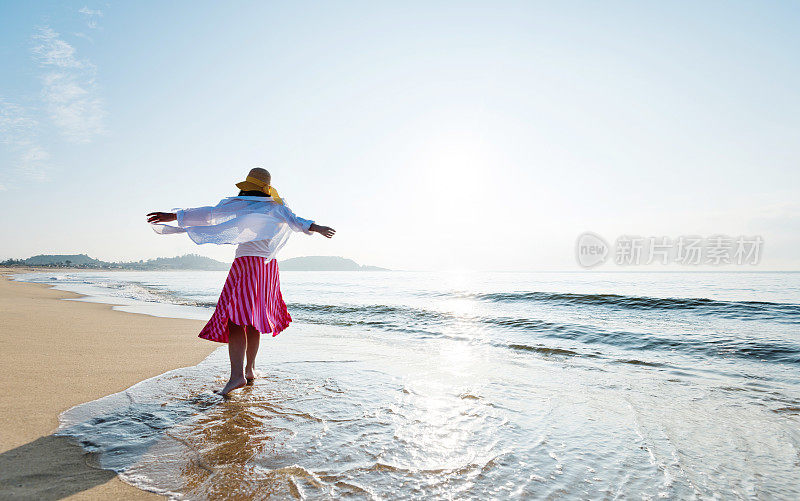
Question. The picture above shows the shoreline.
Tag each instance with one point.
(57, 354)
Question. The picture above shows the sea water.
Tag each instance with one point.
(396, 385)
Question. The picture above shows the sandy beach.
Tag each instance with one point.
(57, 354)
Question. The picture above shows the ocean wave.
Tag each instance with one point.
(427, 321)
(785, 313)
(782, 312)
(544, 350)
(768, 351)
(431, 323)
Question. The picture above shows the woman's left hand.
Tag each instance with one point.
(325, 231)
(161, 217)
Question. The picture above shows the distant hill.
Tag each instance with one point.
(324, 263)
(61, 260)
(186, 262)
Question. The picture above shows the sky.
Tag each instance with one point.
(430, 135)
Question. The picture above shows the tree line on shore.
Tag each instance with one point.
(83, 261)
(185, 262)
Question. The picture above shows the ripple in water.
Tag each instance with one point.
(341, 414)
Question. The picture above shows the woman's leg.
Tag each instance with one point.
(237, 344)
(253, 338)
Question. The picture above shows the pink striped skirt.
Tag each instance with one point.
(251, 296)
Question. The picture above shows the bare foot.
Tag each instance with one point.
(233, 384)
(251, 375)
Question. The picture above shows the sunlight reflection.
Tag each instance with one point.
(436, 419)
(457, 279)
(456, 359)
(458, 307)
(435, 429)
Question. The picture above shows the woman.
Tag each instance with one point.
(251, 302)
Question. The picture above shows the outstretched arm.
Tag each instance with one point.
(161, 217)
(305, 225)
(325, 231)
(199, 216)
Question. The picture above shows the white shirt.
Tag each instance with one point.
(259, 225)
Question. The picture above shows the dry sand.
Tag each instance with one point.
(57, 354)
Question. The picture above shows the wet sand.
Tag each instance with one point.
(56, 354)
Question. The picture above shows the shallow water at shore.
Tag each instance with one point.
(334, 416)
(522, 389)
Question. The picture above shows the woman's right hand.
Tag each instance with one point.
(161, 217)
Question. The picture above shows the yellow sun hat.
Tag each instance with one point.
(259, 179)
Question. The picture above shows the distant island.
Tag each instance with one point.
(324, 263)
(186, 262)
